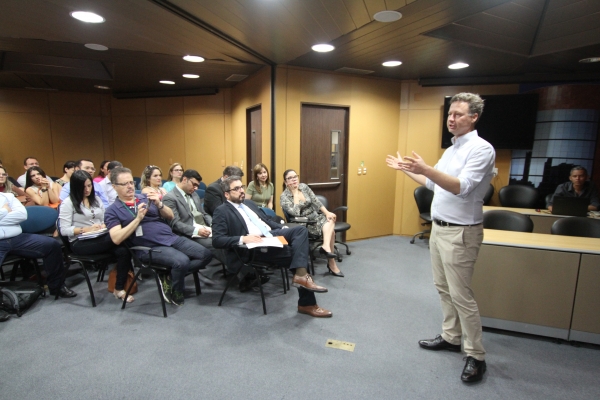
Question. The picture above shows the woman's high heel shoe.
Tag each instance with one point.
(339, 274)
(119, 294)
(326, 253)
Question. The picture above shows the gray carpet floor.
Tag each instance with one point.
(66, 349)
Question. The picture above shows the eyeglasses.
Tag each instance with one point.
(291, 178)
(177, 170)
(237, 188)
(130, 183)
(195, 185)
(3, 175)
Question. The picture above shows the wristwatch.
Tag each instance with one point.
(44, 190)
(162, 205)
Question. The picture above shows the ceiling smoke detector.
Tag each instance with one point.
(387, 16)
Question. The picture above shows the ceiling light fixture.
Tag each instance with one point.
(391, 63)
(458, 65)
(323, 48)
(191, 76)
(193, 58)
(590, 60)
(101, 87)
(167, 82)
(86, 16)
(94, 46)
(387, 16)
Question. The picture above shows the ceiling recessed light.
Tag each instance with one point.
(458, 65)
(191, 76)
(590, 60)
(101, 87)
(387, 16)
(323, 48)
(167, 82)
(94, 46)
(391, 63)
(87, 17)
(193, 58)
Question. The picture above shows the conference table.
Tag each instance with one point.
(540, 284)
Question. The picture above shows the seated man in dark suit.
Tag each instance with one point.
(238, 222)
(214, 195)
(189, 218)
(578, 186)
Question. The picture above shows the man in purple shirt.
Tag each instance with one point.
(140, 219)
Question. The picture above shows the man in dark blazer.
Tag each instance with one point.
(214, 195)
(238, 222)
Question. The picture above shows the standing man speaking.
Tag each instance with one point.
(459, 180)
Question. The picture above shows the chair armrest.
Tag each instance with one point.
(302, 220)
(340, 208)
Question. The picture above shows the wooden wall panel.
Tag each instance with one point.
(75, 137)
(210, 104)
(166, 141)
(23, 101)
(130, 139)
(205, 144)
(164, 106)
(75, 104)
(127, 107)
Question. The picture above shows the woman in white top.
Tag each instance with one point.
(151, 181)
(39, 188)
(82, 213)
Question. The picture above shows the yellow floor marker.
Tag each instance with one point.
(338, 344)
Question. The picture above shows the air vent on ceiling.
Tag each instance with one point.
(236, 78)
(355, 71)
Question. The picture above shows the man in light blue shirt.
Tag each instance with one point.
(87, 166)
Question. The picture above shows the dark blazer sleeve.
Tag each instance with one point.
(213, 198)
(178, 226)
(226, 227)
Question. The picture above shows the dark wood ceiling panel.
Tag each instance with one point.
(483, 39)
(517, 13)
(572, 10)
(340, 15)
(499, 26)
(358, 12)
(374, 6)
(581, 39)
(570, 27)
(535, 5)
(396, 4)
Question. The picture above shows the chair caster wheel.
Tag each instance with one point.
(348, 252)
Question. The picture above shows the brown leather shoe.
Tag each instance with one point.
(315, 311)
(307, 283)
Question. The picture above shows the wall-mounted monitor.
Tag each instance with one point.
(508, 121)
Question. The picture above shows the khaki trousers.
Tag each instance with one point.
(454, 250)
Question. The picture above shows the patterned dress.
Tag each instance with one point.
(309, 208)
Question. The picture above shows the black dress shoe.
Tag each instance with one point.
(326, 253)
(473, 371)
(63, 291)
(4, 316)
(438, 344)
(338, 274)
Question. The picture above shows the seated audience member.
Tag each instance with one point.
(261, 190)
(28, 163)
(11, 179)
(174, 178)
(189, 218)
(140, 220)
(103, 172)
(214, 195)
(298, 200)
(81, 213)
(151, 181)
(105, 184)
(87, 166)
(6, 186)
(578, 186)
(238, 222)
(68, 170)
(39, 189)
(14, 241)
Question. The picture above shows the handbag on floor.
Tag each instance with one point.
(112, 279)
(16, 297)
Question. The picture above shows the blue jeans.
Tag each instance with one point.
(183, 256)
(37, 246)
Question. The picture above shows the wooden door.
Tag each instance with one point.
(323, 152)
(253, 140)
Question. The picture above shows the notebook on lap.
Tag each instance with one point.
(572, 206)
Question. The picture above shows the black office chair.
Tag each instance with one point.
(488, 195)
(507, 221)
(423, 197)
(246, 257)
(577, 226)
(340, 226)
(518, 196)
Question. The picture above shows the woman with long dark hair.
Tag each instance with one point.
(82, 213)
(39, 188)
(103, 171)
(151, 181)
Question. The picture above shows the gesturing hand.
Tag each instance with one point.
(394, 162)
(414, 164)
(142, 210)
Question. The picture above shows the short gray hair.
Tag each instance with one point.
(578, 168)
(474, 101)
(226, 183)
(116, 171)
